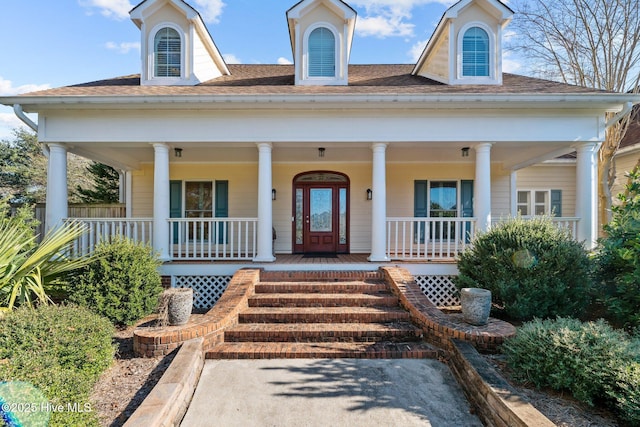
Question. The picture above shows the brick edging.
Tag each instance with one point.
(167, 403)
(497, 403)
(439, 327)
(151, 342)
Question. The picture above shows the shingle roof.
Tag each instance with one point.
(252, 79)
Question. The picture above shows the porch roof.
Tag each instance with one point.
(259, 79)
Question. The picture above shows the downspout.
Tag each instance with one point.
(17, 108)
(615, 119)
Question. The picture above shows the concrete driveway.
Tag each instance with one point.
(328, 392)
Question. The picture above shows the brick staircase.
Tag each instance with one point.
(322, 315)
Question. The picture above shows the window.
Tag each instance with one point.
(322, 53)
(167, 53)
(475, 53)
(198, 203)
(539, 202)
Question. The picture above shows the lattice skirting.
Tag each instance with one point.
(439, 289)
(207, 290)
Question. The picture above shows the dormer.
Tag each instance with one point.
(176, 46)
(466, 47)
(321, 33)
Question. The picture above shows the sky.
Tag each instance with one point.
(53, 43)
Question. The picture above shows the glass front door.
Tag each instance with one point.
(321, 214)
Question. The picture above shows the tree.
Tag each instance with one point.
(591, 43)
(106, 185)
(23, 170)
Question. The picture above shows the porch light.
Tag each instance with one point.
(177, 152)
(465, 151)
(273, 194)
(369, 194)
(321, 152)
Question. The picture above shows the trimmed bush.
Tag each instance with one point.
(619, 257)
(123, 284)
(593, 361)
(532, 268)
(62, 350)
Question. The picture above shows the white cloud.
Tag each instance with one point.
(389, 18)
(210, 10)
(230, 58)
(510, 64)
(284, 61)
(8, 120)
(383, 26)
(417, 49)
(116, 9)
(124, 47)
(8, 89)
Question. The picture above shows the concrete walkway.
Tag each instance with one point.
(328, 392)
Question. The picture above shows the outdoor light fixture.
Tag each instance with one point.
(177, 152)
(321, 152)
(369, 194)
(465, 151)
(273, 194)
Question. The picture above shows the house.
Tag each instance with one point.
(231, 165)
(628, 156)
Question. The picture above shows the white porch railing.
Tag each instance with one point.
(213, 238)
(99, 229)
(428, 238)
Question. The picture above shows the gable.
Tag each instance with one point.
(194, 55)
(337, 20)
(444, 55)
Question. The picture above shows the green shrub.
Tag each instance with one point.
(123, 284)
(532, 268)
(62, 350)
(618, 257)
(596, 363)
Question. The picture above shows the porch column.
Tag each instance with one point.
(587, 193)
(57, 194)
(161, 200)
(482, 192)
(121, 187)
(379, 204)
(265, 208)
(128, 191)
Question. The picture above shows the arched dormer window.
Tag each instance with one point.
(322, 53)
(475, 53)
(167, 50)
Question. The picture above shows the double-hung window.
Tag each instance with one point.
(322, 53)
(167, 53)
(475, 53)
(539, 202)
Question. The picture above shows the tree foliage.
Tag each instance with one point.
(591, 43)
(106, 185)
(619, 257)
(23, 170)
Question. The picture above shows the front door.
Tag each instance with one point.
(321, 213)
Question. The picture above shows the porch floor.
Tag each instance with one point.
(337, 259)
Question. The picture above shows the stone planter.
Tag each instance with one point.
(179, 305)
(476, 305)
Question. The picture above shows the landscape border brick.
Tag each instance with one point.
(169, 400)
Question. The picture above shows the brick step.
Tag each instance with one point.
(354, 287)
(333, 350)
(323, 300)
(320, 276)
(322, 332)
(322, 315)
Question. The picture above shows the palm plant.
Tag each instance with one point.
(28, 272)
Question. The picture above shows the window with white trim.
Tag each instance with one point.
(322, 53)
(539, 202)
(475, 53)
(167, 50)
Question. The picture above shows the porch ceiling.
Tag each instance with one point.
(511, 155)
